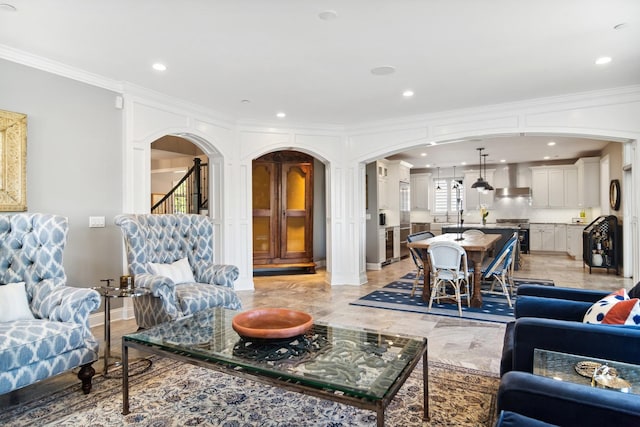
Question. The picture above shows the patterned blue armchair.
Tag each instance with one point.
(45, 324)
(155, 241)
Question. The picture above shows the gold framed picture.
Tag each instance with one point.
(13, 161)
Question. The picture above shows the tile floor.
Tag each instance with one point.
(455, 341)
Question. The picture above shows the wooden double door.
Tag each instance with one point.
(283, 211)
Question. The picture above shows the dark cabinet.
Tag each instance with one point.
(283, 211)
(600, 243)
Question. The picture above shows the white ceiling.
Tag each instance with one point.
(280, 56)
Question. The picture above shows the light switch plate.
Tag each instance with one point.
(96, 222)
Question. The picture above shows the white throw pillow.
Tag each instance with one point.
(178, 272)
(13, 303)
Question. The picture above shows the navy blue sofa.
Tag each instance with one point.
(550, 318)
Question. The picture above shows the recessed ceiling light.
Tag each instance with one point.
(423, 154)
(546, 157)
(245, 101)
(463, 163)
(503, 160)
(603, 60)
(620, 26)
(383, 70)
(7, 7)
(428, 165)
(281, 115)
(432, 143)
(328, 15)
(551, 143)
(159, 67)
(407, 93)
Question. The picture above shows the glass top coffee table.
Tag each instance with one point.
(358, 367)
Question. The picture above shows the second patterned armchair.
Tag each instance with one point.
(172, 256)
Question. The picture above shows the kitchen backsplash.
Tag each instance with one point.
(512, 210)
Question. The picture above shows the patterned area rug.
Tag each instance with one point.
(177, 394)
(397, 296)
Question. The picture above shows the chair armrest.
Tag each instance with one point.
(566, 404)
(70, 304)
(550, 308)
(586, 295)
(161, 287)
(220, 274)
(619, 343)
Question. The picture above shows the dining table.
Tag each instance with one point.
(477, 246)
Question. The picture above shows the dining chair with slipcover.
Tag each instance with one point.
(448, 262)
(172, 256)
(44, 324)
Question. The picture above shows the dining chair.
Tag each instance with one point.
(418, 256)
(449, 268)
(500, 270)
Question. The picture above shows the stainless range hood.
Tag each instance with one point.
(512, 190)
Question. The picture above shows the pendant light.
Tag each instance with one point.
(480, 183)
(489, 187)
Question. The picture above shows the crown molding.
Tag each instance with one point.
(58, 68)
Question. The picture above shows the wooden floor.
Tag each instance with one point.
(455, 341)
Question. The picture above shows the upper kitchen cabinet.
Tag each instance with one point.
(383, 184)
(554, 186)
(420, 191)
(588, 182)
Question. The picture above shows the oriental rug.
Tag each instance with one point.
(177, 394)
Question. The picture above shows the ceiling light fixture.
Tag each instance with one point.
(383, 70)
(603, 60)
(245, 101)
(551, 143)
(423, 154)
(489, 186)
(407, 93)
(281, 115)
(480, 183)
(328, 15)
(620, 26)
(159, 67)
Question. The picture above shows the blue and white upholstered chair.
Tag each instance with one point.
(172, 255)
(44, 324)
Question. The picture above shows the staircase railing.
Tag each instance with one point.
(189, 195)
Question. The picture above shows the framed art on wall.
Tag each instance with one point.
(13, 161)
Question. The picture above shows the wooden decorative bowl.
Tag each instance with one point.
(271, 323)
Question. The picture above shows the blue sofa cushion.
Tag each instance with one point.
(24, 342)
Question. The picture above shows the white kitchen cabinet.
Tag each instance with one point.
(588, 182)
(574, 240)
(560, 238)
(383, 184)
(542, 237)
(420, 191)
(554, 187)
(404, 172)
(382, 245)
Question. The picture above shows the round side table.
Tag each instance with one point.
(108, 293)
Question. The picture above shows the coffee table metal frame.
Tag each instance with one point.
(318, 390)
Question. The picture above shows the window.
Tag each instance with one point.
(446, 195)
